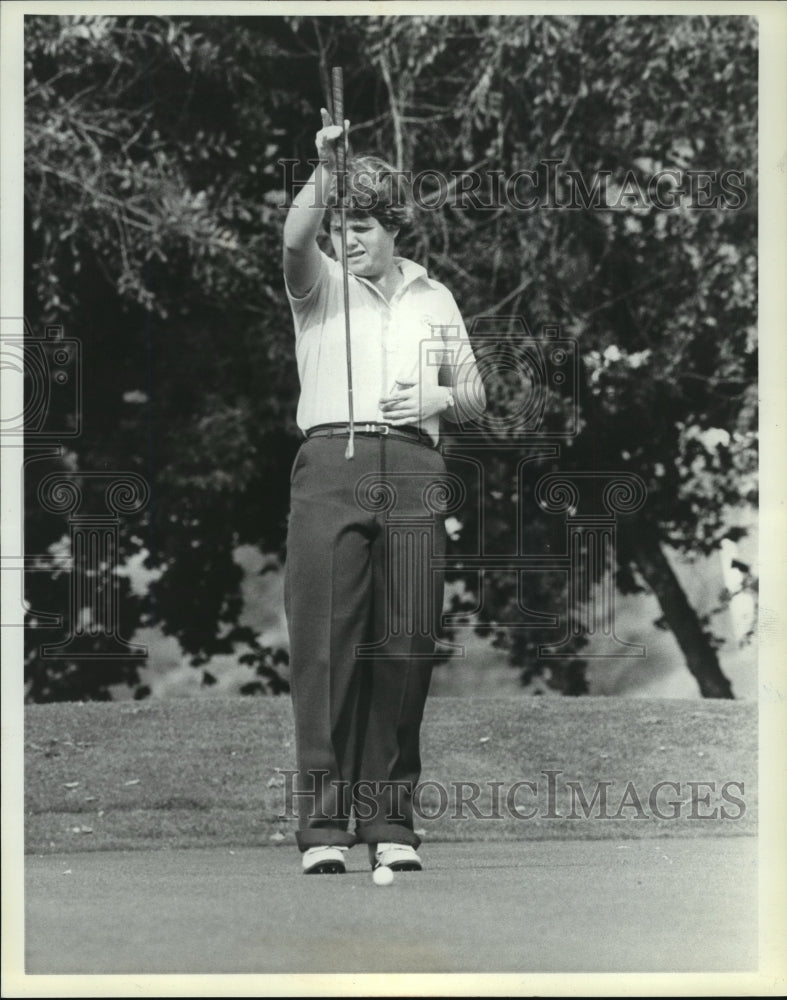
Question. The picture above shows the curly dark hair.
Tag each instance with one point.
(373, 187)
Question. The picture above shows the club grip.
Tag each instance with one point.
(337, 96)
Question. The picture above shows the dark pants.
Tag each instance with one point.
(358, 572)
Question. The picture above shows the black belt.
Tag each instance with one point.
(412, 434)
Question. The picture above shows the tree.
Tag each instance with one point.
(662, 302)
(153, 216)
(158, 251)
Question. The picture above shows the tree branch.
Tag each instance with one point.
(397, 122)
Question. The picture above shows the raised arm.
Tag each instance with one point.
(301, 254)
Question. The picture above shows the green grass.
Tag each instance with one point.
(205, 772)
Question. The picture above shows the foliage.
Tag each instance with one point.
(153, 219)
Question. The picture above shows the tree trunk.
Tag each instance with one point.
(639, 542)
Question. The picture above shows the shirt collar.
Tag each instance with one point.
(410, 270)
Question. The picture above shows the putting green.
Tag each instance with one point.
(680, 905)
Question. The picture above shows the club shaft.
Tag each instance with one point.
(337, 95)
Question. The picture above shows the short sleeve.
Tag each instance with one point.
(459, 358)
(310, 311)
(301, 304)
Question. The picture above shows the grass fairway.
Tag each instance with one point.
(200, 773)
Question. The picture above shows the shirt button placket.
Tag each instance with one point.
(385, 353)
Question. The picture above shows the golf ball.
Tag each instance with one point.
(382, 876)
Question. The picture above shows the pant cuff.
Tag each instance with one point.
(324, 837)
(387, 833)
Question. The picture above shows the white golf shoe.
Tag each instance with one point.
(397, 857)
(327, 860)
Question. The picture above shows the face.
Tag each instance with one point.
(370, 247)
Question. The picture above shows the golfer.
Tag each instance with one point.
(357, 720)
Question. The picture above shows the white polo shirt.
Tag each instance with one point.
(407, 339)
